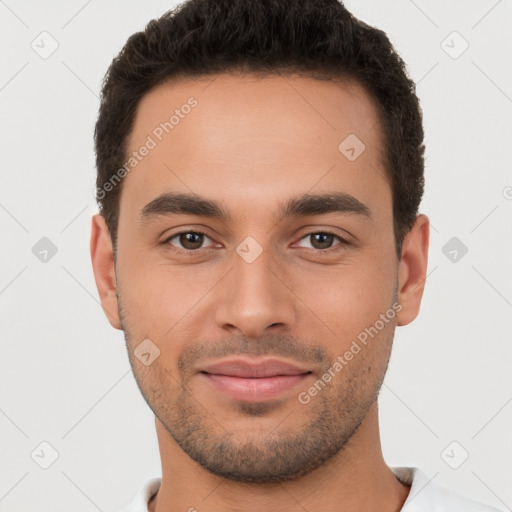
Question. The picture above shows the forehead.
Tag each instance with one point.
(242, 105)
(251, 138)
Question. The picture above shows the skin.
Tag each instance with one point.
(251, 143)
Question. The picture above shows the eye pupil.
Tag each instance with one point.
(191, 240)
(323, 243)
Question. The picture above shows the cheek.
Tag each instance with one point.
(353, 297)
(159, 300)
(154, 298)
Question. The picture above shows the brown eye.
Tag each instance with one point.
(191, 240)
(323, 241)
(188, 240)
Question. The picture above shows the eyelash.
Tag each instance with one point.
(336, 247)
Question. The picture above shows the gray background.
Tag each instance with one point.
(65, 375)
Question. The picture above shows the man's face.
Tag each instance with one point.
(259, 284)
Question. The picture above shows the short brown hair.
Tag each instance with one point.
(316, 37)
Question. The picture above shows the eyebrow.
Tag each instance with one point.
(304, 205)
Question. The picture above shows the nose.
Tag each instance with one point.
(254, 297)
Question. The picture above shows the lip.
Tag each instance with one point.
(253, 381)
(253, 369)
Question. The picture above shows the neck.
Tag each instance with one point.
(357, 478)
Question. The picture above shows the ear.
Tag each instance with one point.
(412, 270)
(102, 256)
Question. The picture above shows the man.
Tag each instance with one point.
(260, 169)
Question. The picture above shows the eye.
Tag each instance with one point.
(189, 240)
(323, 240)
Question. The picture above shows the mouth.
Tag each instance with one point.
(253, 381)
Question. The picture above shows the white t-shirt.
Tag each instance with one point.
(424, 496)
